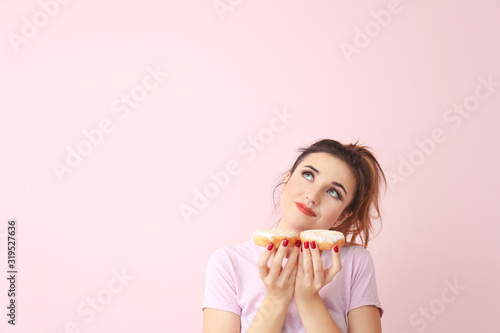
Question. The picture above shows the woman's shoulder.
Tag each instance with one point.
(355, 252)
(355, 248)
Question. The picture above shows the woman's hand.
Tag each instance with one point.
(279, 281)
(311, 276)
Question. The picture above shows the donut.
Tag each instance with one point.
(325, 239)
(263, 237)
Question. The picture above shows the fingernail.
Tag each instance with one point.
(313, 245)
(336, 248)
(306, 245)
(285, 242)
(270, 246)
(297, 243)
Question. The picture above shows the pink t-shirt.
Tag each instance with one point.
(233, 284)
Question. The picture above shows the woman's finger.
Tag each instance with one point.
(264, 258)
(300, 264)
(275, 267)
(316, 261)
(291, 264)
(294, 273)
(336, 265)
(307, 262)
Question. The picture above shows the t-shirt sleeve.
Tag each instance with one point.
(364, 285)
(220, 286)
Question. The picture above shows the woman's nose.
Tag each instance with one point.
(312, 195)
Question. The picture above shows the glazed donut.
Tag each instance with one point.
(263, 237)
(325, 239)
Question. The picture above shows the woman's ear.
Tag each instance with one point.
(287, 177)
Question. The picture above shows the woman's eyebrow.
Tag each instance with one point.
(333, 183)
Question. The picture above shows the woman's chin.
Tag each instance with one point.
(294, 225)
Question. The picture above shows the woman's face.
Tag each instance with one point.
(315, 196)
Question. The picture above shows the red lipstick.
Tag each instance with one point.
(304, 209)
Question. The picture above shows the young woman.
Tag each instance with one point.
(302, 289)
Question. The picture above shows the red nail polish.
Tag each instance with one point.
(313, 245)
(302, 248)
(306, 245)
(270, 246)
(297, 243)
(336, 248)
(285, 242)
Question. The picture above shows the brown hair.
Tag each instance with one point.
(369, 177)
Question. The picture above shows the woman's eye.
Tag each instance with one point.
(334, 193)
(307, 175)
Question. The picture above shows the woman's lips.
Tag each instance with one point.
(304, 209)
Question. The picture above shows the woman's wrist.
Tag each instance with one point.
(270, 316)
(307, 299)
(314, 315)
(277, 302)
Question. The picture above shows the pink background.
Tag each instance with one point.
(118, 211)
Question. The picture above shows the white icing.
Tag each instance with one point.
(320, 235)
(270, 233)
